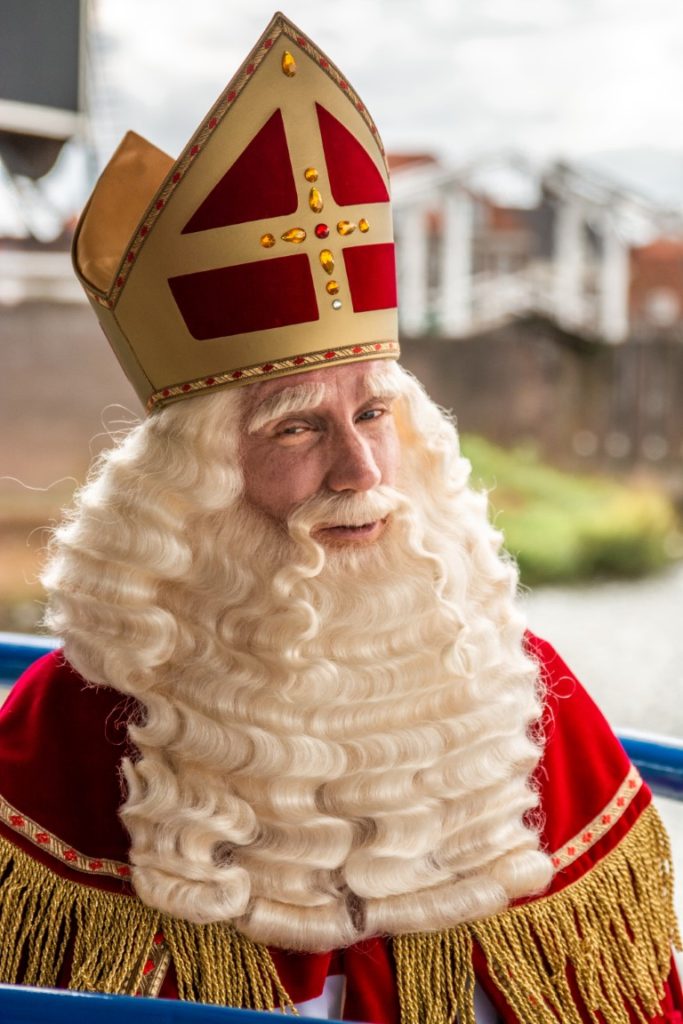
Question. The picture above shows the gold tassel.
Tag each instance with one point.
(615, 927)
(42, 916)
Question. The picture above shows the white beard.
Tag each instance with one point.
(342, 747)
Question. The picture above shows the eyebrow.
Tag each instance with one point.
(286, 403)
(297, 399)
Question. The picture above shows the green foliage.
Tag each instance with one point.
(564, 527)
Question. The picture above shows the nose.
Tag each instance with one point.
(353, 466)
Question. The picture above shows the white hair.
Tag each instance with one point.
(333, 746)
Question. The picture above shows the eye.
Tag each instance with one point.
(372, 414)
(292, 430)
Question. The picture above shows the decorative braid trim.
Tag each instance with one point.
(206, 129)
(279, 368)
(51, 843)
(614, 927)
(601, 823)
(116, 944)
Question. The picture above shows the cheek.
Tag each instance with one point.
(388, 457)
(276, 481)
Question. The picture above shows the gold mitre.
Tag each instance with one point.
(266, 249)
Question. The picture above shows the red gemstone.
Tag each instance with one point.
(186, 387)
(377, 346)
(250, 68)
(17, 820)
(95, 865)
(209, 381)
(143, 230)
(321, 231)
(330, 355)
(159, 204)
(231, 95)
(236, 375)
(357, 349)
(119, 282)
(360, 106)
(268, 43)
(70, 855)
(123, 870)
(556, 862)
(165, 393)
(267, 368)
(42, 837)
(299, 360)
(194, 150)
(301, 41)
(149, 966)
(324, 63)
(631, 783)
(176, 176)
(606, 819)
(130, 257)
(621, 801)
(587, 837)
(343, 84)
(571, 850)
(213, 122)
(158, 938)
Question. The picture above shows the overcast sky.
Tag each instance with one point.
(544, 77)
(594, 81)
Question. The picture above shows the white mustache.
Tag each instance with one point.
(329, 510)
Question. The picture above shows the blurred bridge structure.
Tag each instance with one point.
(469, 260)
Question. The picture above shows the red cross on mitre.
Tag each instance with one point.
(268, 246)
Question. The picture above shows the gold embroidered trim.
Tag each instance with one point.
(25, 826)
(614, 927)
(601, 823)
(47, 921)
(155, 968)
(278, 368)
(224, 102)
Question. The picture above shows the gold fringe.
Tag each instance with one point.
(44, 917)
(615, 927)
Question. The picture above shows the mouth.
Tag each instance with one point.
(365, 533)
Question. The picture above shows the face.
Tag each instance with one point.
(323, 432)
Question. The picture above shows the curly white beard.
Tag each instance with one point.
(337, 744)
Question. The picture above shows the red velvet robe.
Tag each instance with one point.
(61, 743)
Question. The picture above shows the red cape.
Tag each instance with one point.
(61, 744)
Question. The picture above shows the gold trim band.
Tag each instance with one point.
(278, 368)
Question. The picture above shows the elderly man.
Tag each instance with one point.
(298, 749)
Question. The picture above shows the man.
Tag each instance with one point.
(353, 784)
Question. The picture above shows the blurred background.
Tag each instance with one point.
(537, 170)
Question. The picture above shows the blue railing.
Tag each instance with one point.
(42, 1006)
(659, 759)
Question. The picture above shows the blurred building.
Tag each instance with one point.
(582, 250)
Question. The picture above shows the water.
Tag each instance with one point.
(625, 643)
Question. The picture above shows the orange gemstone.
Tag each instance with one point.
(288, 64)
(345, 227)
(295, 235)
(332, 287)
(327, 261)
(315, 200)
(268, 241)
(363, 225)
(310, 174)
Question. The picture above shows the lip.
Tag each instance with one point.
(365, 534)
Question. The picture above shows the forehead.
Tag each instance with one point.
(352, 380)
